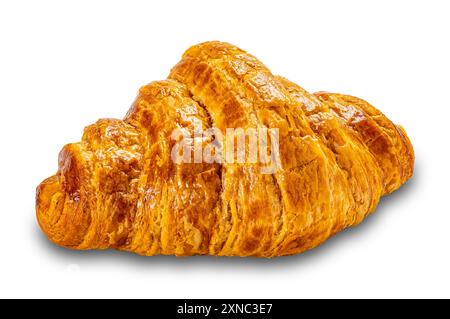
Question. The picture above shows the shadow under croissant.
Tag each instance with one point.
(119, 257)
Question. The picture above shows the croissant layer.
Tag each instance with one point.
(120, 186)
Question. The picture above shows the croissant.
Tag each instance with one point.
(120, 187)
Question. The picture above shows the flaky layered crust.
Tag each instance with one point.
(119, 187)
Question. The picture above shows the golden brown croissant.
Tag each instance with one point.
(121, 188)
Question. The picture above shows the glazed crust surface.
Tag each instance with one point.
(120, 188)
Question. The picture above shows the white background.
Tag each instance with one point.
(65, 64)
